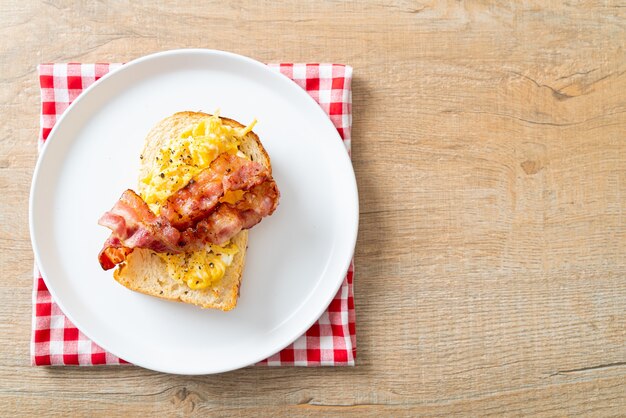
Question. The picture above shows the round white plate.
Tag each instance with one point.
(296, 260)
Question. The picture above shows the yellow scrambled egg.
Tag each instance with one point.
(177, 162)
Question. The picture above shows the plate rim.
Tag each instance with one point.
(351, 231)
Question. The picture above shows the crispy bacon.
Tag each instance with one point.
(113, 253)
(134, 225)
(199, 198)
(228, 219)
(192, 217)
(218, 228)
(259, 202)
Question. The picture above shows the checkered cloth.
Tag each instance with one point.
(331, 341)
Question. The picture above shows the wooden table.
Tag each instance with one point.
(490, 151)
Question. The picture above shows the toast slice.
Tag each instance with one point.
(146, 272)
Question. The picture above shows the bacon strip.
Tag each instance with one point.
(259, 202)
(113, 253)
(199, 198)
(193, 216)
(134, 225)
(228, 219)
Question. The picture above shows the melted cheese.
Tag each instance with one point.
(177, 162)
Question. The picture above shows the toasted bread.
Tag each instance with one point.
(146, 272)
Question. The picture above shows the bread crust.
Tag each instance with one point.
(144, 271)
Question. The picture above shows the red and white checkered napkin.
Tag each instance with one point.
(331, 341)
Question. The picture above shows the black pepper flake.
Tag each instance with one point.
(211, 265)
(162, 175)
(141, 157)
(186, 291)
(161, 292)
(170, 160)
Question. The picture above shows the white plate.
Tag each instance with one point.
(296, 260)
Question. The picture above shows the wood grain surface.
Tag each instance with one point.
(489, 146)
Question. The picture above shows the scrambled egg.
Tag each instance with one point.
(178, 162)
(200, 269)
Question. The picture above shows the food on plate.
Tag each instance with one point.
(204, 181)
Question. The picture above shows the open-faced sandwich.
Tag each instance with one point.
(204, 180)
